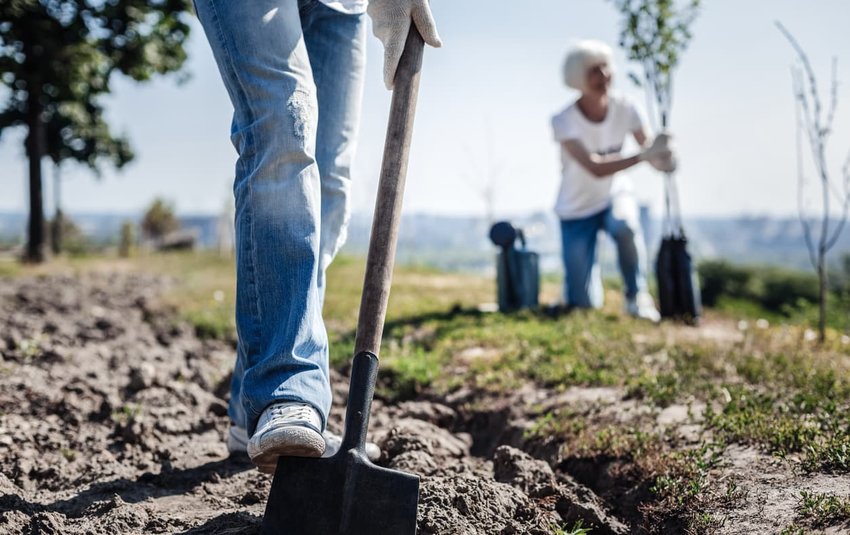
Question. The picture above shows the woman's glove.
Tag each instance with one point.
(665, 164)
(660, 154)
(659, 149)
(391, 24)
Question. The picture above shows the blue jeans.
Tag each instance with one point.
(294, 74)
(582, 278)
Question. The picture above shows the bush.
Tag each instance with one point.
(720, 278)
(774, 289)
(65, 236)
(782, 289)
(159, 220)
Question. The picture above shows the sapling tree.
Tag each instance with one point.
(655, 33)
(814, 123)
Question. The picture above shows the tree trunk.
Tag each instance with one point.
(822, 298)
(58, 216)
(35, 150)
(56, 232)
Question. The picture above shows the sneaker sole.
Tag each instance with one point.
(292, 441)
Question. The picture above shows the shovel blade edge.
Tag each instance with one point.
(345, 494)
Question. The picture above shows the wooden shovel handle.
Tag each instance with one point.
(382, 245)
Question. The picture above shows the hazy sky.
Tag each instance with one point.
(485, 104)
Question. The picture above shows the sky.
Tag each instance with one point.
(483, 118)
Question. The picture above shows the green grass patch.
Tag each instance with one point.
(10, 268)
(575, 529)
(788, 403)
(823, 510)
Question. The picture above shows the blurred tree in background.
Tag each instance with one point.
(75, 242)
(57, 58)
(815, 126)
(159, 220)
(126, 239)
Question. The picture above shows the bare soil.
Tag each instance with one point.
(113, 421)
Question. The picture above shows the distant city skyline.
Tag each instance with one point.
(484, 110)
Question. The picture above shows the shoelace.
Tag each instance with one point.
(301, 412)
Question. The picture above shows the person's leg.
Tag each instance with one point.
(578, 241)
(282, 350)
(596, 289)
(336, 44)
(622, 223)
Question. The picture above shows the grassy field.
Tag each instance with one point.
(746, 379)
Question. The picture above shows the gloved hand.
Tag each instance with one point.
(659, 150)
(665, 164)
(391, 24)
(660, 154)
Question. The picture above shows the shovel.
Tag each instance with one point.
(347, 494)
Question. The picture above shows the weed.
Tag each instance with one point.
(30, 348)
(576, 529)
(823, 510)
(126, 413)
(830, 455)
(686, 474)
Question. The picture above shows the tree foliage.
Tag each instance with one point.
(57, 59)
(159, 220)
(654, 33)
(74, 241)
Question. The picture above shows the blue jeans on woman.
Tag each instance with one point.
(294, 74)
(582, 278)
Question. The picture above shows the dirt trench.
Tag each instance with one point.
(113, 419)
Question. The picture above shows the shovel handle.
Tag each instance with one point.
(382, 244)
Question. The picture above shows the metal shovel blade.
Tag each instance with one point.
(346, 493)
(308, 497)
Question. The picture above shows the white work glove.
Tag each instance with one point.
(660, 154)
(659, 149)
(391, 24)
(665, 164)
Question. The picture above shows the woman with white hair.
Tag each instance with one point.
(595, 194)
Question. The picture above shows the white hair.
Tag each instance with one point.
(581, 57)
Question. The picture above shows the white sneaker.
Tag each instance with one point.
(237, 440)
(286, 429)
(237, 443)
(642, 306)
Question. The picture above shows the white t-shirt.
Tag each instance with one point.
(582, 194)
(351, 7)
